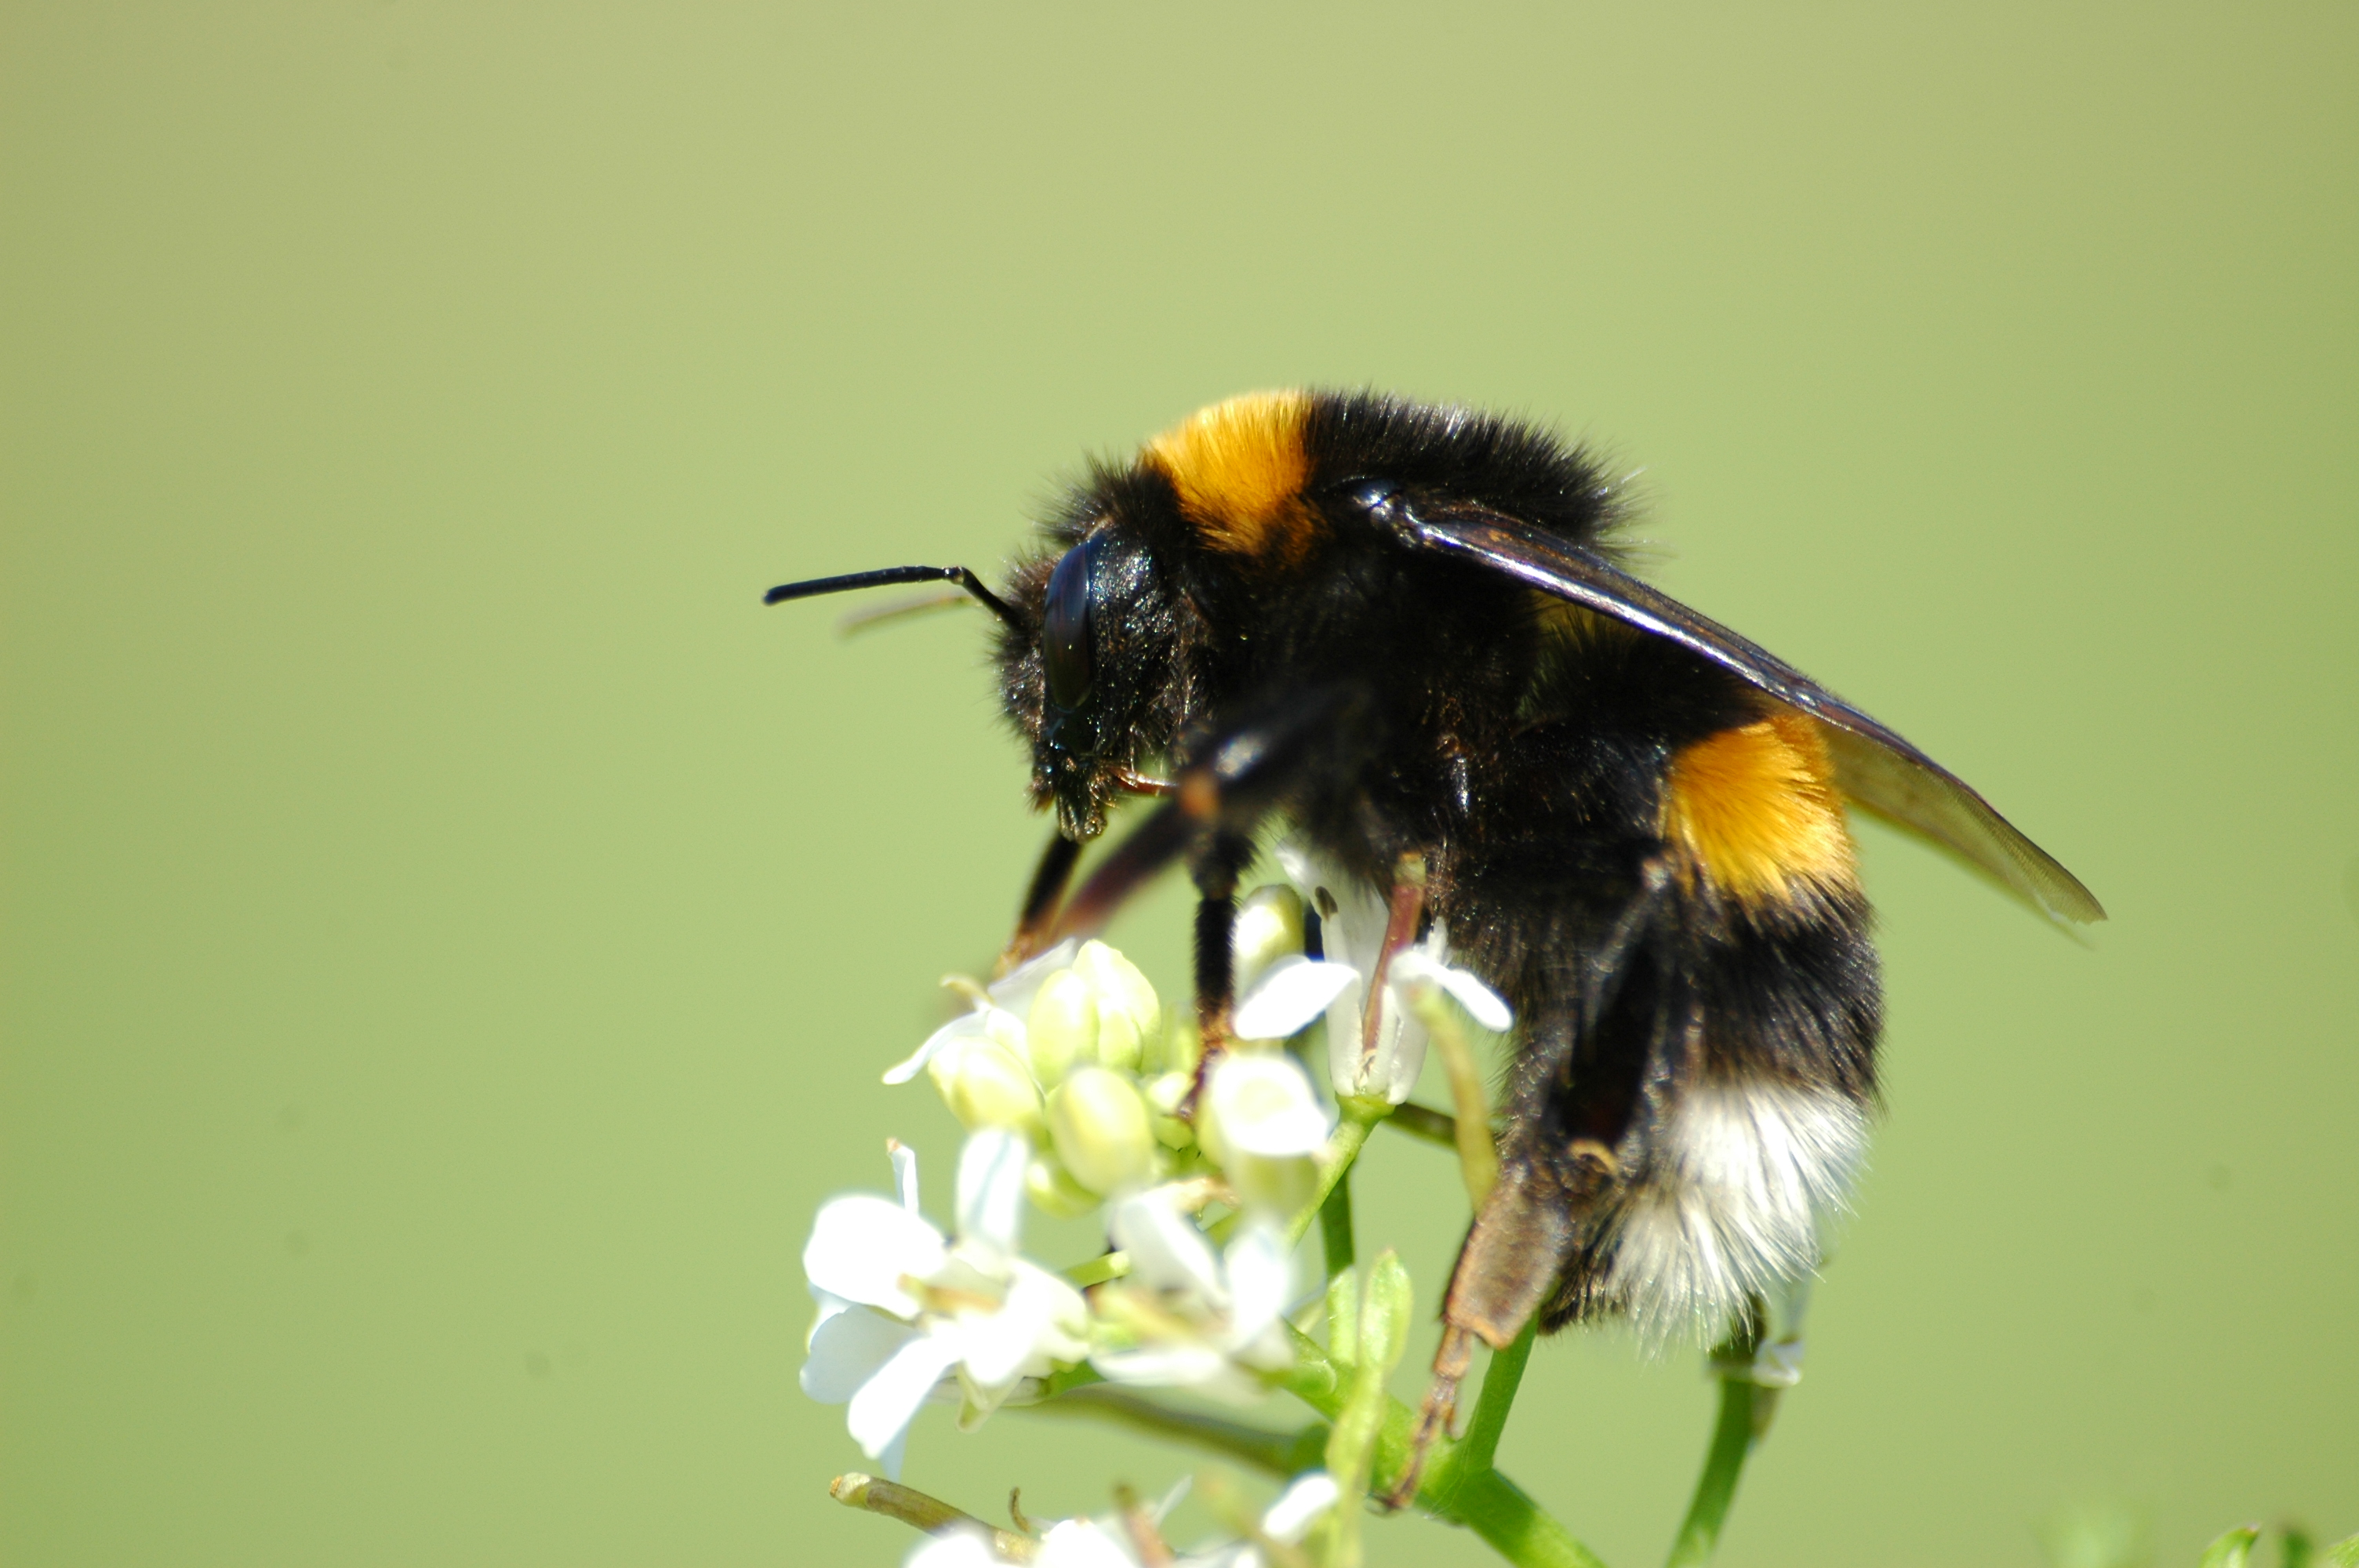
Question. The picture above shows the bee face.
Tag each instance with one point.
(1090, 684)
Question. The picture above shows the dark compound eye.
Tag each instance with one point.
(1065, 629)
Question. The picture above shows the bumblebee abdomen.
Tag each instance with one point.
(1753, 810)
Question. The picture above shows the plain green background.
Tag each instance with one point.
(452, 933)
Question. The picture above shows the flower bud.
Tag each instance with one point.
(1130, 1015)
(1063, 1029)
(1053, 1190)
(1385, 1312)
(1343, 1315)
(1164, 1095)
(1268, 927)
(1261, 1102)
(1099, 1128)
(984, 1085)
(1183, 1047)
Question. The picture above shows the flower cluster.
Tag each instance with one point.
(1069, 1076)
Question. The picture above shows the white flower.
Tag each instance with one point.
(1085, 1544)
(999, 1018)
(963, 1548)
(1295, 990)
(1185, 1317)
(1066, 1051)
(1258, 1102)
(901, 1307)
(1298, 1508)
(1261, 1124)
(1106, 1544)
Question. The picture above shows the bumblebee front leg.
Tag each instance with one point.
(1216, 872)
(1039, 914)
(1208, 818)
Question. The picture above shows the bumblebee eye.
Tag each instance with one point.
(1065, 630)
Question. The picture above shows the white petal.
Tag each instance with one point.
(1483, 1005)
(1354, 933)
(847, 1349)
(1171, 1499)
(998, 1343)
(991, 1188)
(905, 1173)
(1298, 1507)
(829, 1305)
(861, 1246)
(1261, 1277)
(1063, 1312)
(1015, 991)
(1082, 1543)
(1296, 863)
(1162, 1366)
(954, 1548)
(882, 1409)
(964, 1026)
(1264, 1105)
(895, 1453)
(1291, 993)
(1167, 1252)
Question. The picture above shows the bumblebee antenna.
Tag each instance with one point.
(889, 574)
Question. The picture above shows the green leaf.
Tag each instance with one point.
(2234, 1549)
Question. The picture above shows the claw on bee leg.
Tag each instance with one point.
(1435, 1419)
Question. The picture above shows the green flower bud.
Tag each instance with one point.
(1385, 1312)
(1163, 1096)
(1343, 1316)
(1064, 1029)
(1381, 1333)
(1053, 1190)
(1268, 927)
(1099, 1125)
(1130, 1015)
(1183, 1047)
(985, 1086)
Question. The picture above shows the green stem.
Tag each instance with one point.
(1500, 1379)
(1350, 1137)
(1477, 1496)
(1425, 1122)
(1335, 1225)
(1732, 1441)
(1746, 1407)
(1478, 1157)
(1281, 1453)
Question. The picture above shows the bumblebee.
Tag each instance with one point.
(1406, 630)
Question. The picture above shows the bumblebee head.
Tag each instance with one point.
(1089, 641)
(1086, 673)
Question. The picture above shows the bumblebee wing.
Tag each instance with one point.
(1874, 766)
